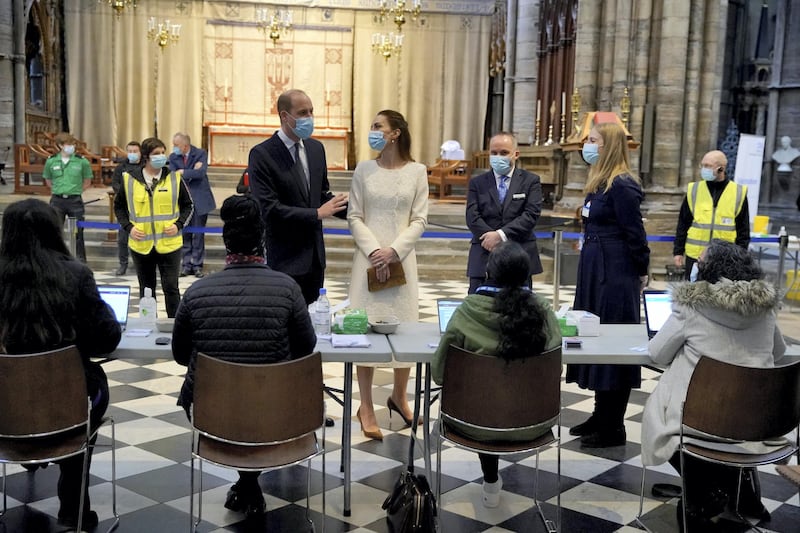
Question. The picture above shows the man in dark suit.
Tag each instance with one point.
(502, 204)
(193, 161)
(289, 178)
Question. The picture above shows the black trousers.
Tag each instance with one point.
(489, 466)
(122, 246)
(169, 266)
(72, 206)
(702, 479)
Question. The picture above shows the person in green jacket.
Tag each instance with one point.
(504, 319)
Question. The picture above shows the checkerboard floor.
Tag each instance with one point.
(599, 488)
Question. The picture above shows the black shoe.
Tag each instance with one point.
(251, 503)
(328, 422)
(121, 270)
(185, 273)
(604, 439)
(90, 520)
(586, 428)
(198, 274)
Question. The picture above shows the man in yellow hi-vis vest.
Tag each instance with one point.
(714, 208)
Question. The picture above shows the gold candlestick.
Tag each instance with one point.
(576, 108)
(625, 106)
(549, 136)
(538, 126)
(563, 126)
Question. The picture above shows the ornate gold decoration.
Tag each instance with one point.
(398, 11)
(118, 5)
(163, 33)
(274, 25)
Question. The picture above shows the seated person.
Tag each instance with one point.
(505, 319)
(49, 300)
(247, 313)
(729, 313)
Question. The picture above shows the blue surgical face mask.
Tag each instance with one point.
(158, 160)
(694, 273)
(707, 174)
(500, 164)
(133, 158)
(376, 140)
(591, 153)
(68, 149)
(176, 150)
(303, 127)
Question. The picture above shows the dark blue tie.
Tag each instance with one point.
(502, 189)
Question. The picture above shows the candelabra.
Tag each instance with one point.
(576, 109)
(387, 45)
(625, 107)
(163, 33)
(274, 25)
(399, 10)
(550, 127)
(118, 5)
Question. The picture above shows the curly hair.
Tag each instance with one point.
(727, 260)
(243, 230)
(522, 317)
(34, 286)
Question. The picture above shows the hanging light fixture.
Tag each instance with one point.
(387, 45)
(118, 5)
(274, 25)
(163, 33)
(397, 11)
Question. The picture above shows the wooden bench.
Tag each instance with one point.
(444, 174)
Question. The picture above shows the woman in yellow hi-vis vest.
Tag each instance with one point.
(153, 205)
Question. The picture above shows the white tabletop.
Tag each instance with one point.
(146, 347)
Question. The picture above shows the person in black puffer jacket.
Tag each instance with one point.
(247, 313)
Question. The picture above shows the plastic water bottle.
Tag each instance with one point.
(147, 307)
(322, 314)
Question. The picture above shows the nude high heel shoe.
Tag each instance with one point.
(370, 434)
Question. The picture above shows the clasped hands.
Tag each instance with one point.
(380, 259)
(490, 239)
(139, 235)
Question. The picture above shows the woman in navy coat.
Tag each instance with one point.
(611, 274)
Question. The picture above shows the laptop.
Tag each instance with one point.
(657, 309)
(118, 297)
(446, 307)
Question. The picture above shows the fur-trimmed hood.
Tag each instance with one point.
(733, 303)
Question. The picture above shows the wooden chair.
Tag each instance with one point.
(486, 392)
(45, 415)
(29, 161)
(446, 173)
(257, 417)
(738, 403)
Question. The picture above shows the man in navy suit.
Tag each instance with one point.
(289, 178)
(193, 161)
(502, 204)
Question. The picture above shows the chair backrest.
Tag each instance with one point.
(489, 392)
(743, 403)
(42, 393)
(258, 403)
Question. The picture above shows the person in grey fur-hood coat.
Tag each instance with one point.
(733, 321)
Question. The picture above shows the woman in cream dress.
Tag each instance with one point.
(387, 214)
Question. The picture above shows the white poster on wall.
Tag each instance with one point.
(749, 162)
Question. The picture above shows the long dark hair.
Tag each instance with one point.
(398, 122)
(35, 301)
(522, 317)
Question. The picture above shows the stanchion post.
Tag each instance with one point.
(556, 267)
(72, 235)
(783, 244)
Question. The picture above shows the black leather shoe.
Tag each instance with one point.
(198, 274)
(328, 422)
(121, 270)
(588, 427)
(250, 503)
(185, 273)
(90, 521)
(604, 439)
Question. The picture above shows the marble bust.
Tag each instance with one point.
(785, 154)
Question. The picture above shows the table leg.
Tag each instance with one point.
(426, 422)
(346, 433)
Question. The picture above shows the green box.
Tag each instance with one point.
(567, 330)
(350, 322)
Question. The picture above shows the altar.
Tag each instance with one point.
(229, 144)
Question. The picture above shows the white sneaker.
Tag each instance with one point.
(491, 493)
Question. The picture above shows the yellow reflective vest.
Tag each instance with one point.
(151, 211)
(711, 222)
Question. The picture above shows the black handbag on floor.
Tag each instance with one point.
(411, 506)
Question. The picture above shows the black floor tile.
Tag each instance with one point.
(168, 483)
(519, 479)
(176, 448)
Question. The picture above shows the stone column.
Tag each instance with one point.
(526, 67)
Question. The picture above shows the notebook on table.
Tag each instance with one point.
(118, 297)
(445, 308)
(657, 309)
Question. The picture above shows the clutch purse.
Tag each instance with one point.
(397, 277)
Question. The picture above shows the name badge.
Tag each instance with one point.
(518, 196)
(56, 167)
(727, 221)
(585, 210)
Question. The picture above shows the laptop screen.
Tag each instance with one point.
(118, 297)
(657, 309)
(446, 307)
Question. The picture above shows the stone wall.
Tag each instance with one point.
(6, 79)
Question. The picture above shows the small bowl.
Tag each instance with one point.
(384, 324)
(164, 325)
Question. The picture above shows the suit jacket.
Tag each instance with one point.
(516, 217)
(293, 234)
(196, 180)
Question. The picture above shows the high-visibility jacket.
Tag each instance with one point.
(709, 222)
(151, 211)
